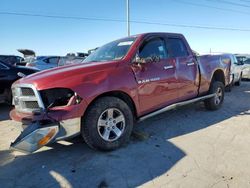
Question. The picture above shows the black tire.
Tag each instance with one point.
(91, 131)
(212, 103)
(238, 82)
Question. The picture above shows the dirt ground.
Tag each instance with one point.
(187, 147)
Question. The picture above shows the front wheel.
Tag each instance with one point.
(107, 124)
(215, 102)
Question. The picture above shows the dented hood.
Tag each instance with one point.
(68, 76)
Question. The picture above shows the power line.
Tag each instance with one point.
(132, 21)
(230, 3)
(245, 1)
(211, 7)
(60, 16)
(192, 26)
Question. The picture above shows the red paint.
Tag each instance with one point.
(89, 80)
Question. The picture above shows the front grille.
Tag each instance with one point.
(31, 104)
(26, 98)
(27, 91)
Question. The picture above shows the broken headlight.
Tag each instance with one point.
(59, 97)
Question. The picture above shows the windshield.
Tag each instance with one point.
(115, 50)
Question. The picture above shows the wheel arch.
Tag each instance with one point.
(119, 94)
(218, 75)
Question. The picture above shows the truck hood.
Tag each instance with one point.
(67, 76)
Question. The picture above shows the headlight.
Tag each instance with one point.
(34, 137)
(58, 97)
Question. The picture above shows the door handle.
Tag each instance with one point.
(168, 67)
(190, 63)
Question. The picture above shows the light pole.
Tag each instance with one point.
(128, 17)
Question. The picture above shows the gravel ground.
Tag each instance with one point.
(187, 147)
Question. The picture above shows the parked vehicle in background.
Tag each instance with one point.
(28, 55)
(92, 50)
(44, 62)
(246, 69)
(124, 81)
(236, 71)
(12, 59)
(67, 60)
(82, 54)
(9, 74)
(245, 61)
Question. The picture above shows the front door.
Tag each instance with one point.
(156, 79)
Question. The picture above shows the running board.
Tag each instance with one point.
(173, 106)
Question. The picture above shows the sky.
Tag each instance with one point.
(58, 36)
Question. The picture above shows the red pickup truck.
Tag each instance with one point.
(124, 81)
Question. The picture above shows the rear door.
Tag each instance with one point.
(156, 80)
(186, 67)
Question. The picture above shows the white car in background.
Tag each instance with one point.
(236, 70)
(39, 62)
(245, 61)
(246, 69)
(44, 62)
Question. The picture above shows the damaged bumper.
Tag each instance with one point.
(38, 134)
(34, 137)
(45, 116)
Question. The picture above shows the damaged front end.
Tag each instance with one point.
(46, 116)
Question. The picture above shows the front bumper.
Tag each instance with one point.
(41, 133)
(37, 127)
(34, 137)
(42, 124)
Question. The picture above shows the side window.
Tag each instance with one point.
(176, 47)
(154, 47)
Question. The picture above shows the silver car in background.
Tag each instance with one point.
(44, 62)
(236, 70)
(67, 60)
(246, 69)
(245, 61)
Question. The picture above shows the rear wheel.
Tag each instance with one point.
(107, 124)
(215, 102)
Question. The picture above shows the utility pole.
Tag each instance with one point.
(128, 19)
